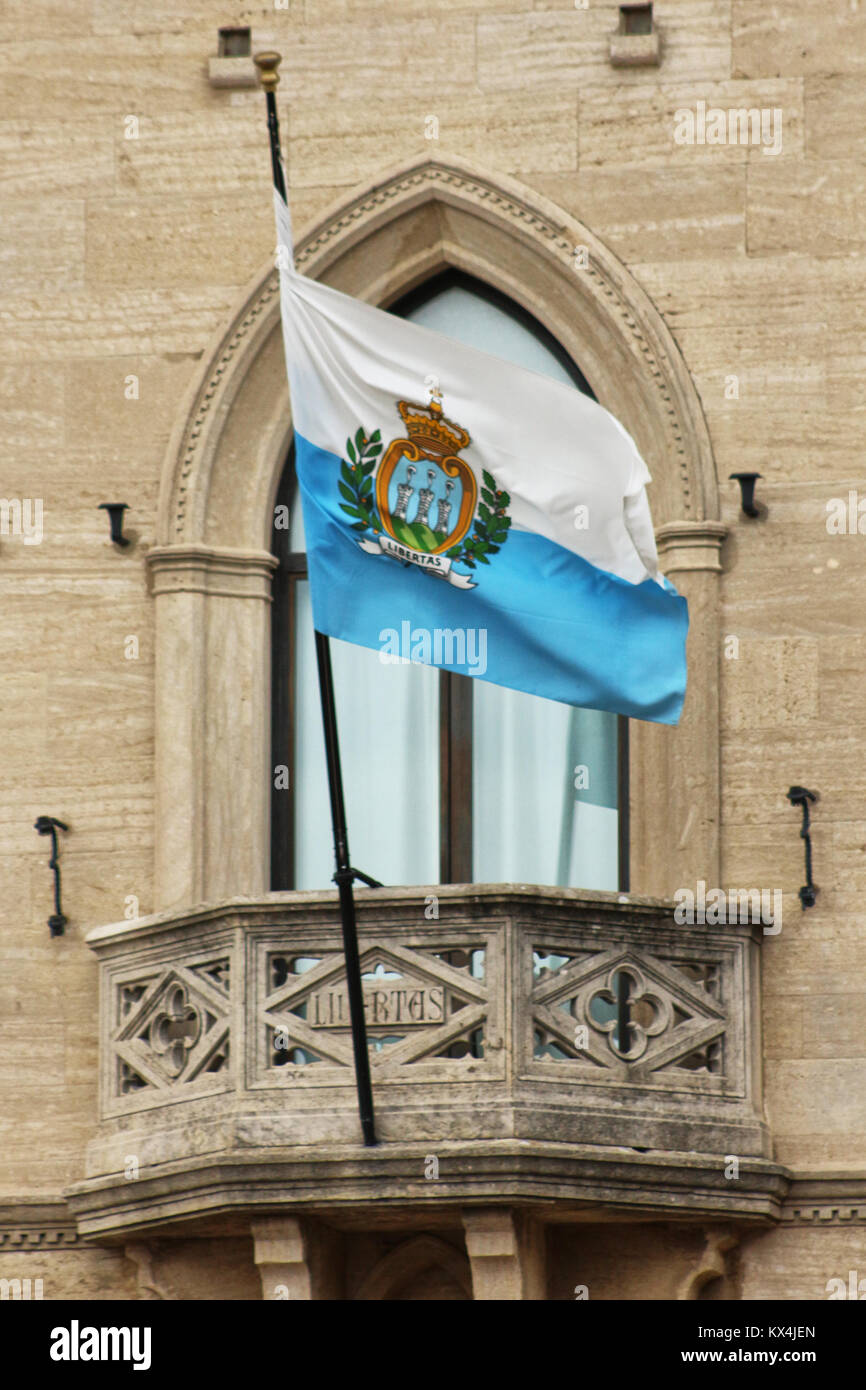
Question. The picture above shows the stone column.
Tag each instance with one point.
(213, 701)
(506, 1252)
(674, 773)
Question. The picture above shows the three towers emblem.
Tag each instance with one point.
(434, 517)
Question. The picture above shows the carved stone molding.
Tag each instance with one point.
(41, 1225)
(826, 1199)
(584, 1181)
(827, 1215)
(199, 569)
(690, 545)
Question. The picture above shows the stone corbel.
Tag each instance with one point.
(150, 1287)
(506, 1252)
(712, 1263)
(281, 1246)
(295, 1259)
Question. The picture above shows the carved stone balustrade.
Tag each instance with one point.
(527, 1044)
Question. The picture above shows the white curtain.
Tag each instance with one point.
(544, 774)
(388, 722)
(544, 791)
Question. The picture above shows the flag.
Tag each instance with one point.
(468, 513)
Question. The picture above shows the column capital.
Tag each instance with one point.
(690, 545)
(204, 569)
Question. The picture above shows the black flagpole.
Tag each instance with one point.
(267, 63)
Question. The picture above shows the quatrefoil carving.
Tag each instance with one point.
(175, 1029)
(649, 1014)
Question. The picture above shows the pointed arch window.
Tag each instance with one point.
(447, 778)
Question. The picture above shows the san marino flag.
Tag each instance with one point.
(454, 503)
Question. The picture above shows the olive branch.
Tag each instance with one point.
(356, 481)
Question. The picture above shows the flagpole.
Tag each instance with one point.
(267, 64)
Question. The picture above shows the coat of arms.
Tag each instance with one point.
(420, 500)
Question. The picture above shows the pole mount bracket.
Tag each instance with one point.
(267, 64)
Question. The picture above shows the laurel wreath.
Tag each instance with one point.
(356, 483)
(490, 529)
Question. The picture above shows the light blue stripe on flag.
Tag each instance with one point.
(553, 624)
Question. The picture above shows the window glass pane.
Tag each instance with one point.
(297, 541)
(544, 774)
(475, 321)
(388, 721)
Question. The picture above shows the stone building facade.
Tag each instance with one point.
(674, 197)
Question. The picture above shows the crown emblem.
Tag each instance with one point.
(431, 430)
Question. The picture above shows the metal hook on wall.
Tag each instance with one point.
(115, 515)
(801, 796)
(747, 493)
(48, 825)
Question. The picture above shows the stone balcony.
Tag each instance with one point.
(227, 1084)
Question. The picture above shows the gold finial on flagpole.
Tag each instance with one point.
(267, 64)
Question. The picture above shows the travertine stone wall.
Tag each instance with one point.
(121, 259)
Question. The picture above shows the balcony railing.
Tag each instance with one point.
(543, 1042)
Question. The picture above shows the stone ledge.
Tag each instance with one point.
(385, 903)
(830, 1199)
(565, 1182)
(635, 50)
(232, 72)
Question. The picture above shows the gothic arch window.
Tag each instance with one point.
(447, 778)
(210, 572)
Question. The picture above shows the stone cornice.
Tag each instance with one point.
(45, 1224)
(583, 1181)
(201, 569)
(827, 1200)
